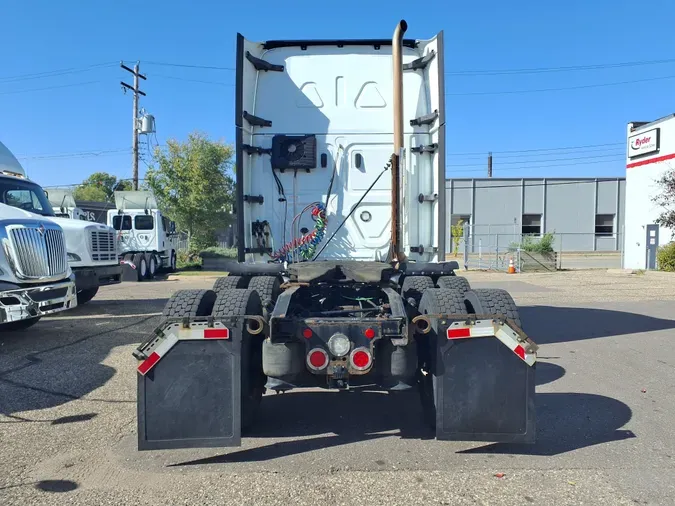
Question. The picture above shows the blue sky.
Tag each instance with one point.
(86, 111)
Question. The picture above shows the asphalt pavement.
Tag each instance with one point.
(605, 411)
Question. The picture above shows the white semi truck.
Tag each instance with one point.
(91, 247)
(63, 203)
(147, 239)
(35, 278)
(341, 281)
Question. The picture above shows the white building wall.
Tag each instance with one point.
(643, 170)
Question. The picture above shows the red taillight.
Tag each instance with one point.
(520, 351)
(307, 333)
(317, 359)
(369, 333)
(360, 359)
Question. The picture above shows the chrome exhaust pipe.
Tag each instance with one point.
(397, 58)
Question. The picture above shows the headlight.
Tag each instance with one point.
(72, 257)
(339, 345)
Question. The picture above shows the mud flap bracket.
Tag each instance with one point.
(189, 391)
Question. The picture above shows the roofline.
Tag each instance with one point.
(273, 44)
(599, 179)
(647, 124)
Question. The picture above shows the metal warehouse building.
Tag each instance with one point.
(582, 214)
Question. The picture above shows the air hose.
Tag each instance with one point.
(306, 245)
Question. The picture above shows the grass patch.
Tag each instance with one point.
(216, 252)
(200, 272)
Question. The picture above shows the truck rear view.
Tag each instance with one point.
(341, 281)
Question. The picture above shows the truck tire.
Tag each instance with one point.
(492, 301)
(413, 287)
(186, 303)
(239, 302)
(84, 296)
(141, 264)
(151, 259)
(435, 301)
(458, 283)
(228, 283)
(19, 325)
(269, 288)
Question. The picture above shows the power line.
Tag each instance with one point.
(191, 66)
(190, 80)
(49, 87)
(520, 162)
(544, 166)
(78, 154)
(572, 68)
(537, 150)
(54, 73)
(565, 88)
(524, 156)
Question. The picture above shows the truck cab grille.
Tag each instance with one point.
(103, 246)
(38, 252)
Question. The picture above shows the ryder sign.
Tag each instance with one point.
(641, 144)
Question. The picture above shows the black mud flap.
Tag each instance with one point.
(191, 396)
(483, 392)
(129, 271)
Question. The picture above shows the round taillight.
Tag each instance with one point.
(360, 359)
(317, 359)
(369, 333)
(307, 333)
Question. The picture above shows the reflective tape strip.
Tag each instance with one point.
(488, 329)
(515, 346)
(157, 354)
(463, 331)
(204, 333)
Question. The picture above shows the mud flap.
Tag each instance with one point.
(189, 392)
(128, 270)
(484, 384)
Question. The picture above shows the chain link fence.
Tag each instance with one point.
(496, 247)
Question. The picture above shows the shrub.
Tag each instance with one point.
(544, 245)
(665, 256)
(188, 260)
(217, 252)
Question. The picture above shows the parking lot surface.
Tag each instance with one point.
(605, 414)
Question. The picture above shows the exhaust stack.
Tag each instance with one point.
(397, 57)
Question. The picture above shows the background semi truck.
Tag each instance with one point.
(35, 278)
(340, 281)
(91, 247)
(148, 240)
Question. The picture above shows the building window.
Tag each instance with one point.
(456, 218)
(604, 225)
(531, 224)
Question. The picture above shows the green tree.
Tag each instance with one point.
(457, 232)
(193, 182)
(100, 186)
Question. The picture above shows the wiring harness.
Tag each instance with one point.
(303, 248)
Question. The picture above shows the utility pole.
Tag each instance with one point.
(134, 88)
(490, 164)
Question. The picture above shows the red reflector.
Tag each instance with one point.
(520, 351)
(361, 359)
(369, 333)
(148, 363)
(307, 333)
(459, 333)
(317, 359)
(216, 333)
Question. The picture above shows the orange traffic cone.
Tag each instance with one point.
(512, 267)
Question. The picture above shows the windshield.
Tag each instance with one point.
(25, 195)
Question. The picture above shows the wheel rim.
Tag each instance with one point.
(153, 266)
(173, 261)
(144, 267)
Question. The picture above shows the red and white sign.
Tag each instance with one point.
(643, 143)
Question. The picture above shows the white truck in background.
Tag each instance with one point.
(63, 204)
(35, 278)
(91, 247)
(147, 239)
